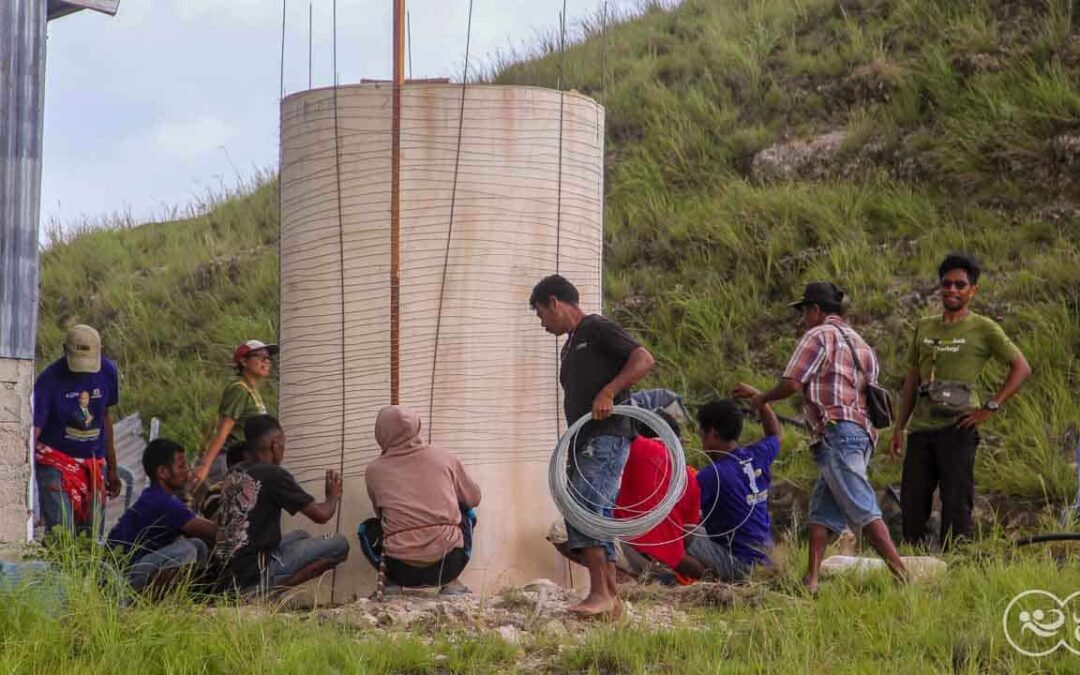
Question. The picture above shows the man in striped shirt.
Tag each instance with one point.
(823, 369)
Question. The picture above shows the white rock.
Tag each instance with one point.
(511, 634)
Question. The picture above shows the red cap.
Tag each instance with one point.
(245, 348)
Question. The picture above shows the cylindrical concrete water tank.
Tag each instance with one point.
(528, 202)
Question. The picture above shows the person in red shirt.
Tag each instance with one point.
(644, 483)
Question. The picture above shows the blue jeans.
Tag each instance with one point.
(595, 475)
(56, 504)
(298, 549)
(181, 553)
(843, 494)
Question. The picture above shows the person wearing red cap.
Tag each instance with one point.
(240, 401)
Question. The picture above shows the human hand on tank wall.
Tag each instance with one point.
(333, 484)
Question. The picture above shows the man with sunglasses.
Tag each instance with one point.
(948, 353)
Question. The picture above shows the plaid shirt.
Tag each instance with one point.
(833, 388)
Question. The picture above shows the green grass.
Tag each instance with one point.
(700, 258)
(950, 624)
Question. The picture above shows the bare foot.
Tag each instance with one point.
(594, 606)
(811, 585)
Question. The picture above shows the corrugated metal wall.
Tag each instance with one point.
(22, 89)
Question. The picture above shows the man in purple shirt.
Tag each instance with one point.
(160, 535)
(74, 458)
(735, 489)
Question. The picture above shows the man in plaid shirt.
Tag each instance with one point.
(823, 369)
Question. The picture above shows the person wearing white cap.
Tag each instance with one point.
(240, 401)
(74, 457)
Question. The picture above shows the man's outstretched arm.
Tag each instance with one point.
(322, 512)
(770, 423)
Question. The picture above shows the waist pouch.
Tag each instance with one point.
(947, 398)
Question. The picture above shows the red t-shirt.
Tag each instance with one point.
(644, 483)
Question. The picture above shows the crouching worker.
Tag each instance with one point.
(423, 501)
(164, 539)
(735, 489)
(644, 484)
(251, 549)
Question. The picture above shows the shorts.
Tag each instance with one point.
(843, 495)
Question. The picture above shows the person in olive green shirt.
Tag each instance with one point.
(240, 401)
(940, 408)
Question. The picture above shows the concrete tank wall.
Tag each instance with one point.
(495, 399)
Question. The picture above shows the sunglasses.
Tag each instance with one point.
(958, 285)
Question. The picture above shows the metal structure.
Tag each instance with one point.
(22, 89)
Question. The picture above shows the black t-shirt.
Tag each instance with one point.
(252, 497)
(591, 358)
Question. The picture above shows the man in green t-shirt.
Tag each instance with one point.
(948, 353)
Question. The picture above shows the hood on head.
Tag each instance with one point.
(397, 430)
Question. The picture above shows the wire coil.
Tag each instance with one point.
(595, 525)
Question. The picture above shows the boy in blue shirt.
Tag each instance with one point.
(734, 490)
(159, 532)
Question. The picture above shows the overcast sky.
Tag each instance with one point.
(149, 109)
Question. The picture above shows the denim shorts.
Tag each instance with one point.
(843, 495)
(181, 553)
(595, 475)
(297, 550)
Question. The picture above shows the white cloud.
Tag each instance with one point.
(185, 140)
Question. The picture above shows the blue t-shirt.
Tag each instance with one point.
(155, 520)
(735, 499)
(70, 407)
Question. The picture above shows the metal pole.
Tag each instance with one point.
(22, 89)
(395, 205)
(310, 22)
(408, 39)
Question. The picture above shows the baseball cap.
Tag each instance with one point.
(824, 294)
(82, 349)
(245, 348)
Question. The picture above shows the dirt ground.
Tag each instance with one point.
(537, 610)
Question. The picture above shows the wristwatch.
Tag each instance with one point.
(992, 405)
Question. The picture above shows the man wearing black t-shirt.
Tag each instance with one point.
(250, 546)
(600, 362)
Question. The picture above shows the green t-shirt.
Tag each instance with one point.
(963, 348)
(240, 402)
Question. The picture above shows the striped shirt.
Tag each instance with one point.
(833, 389)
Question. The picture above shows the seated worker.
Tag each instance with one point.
(422, 497)
(735, 489)
(644, 483)
(250, 546)
(159, 532)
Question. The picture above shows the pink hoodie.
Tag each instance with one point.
(416, 489)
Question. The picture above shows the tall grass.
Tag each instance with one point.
(72, 621)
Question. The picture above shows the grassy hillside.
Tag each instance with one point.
(961, 129)
(171, 300)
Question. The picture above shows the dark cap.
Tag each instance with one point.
(824, 294)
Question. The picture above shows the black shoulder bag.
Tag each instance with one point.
(879, 404)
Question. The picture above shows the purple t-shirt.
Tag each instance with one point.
(70, 407)
(735, 499)
(155, 520)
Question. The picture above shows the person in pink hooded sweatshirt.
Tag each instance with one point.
(423, 501)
